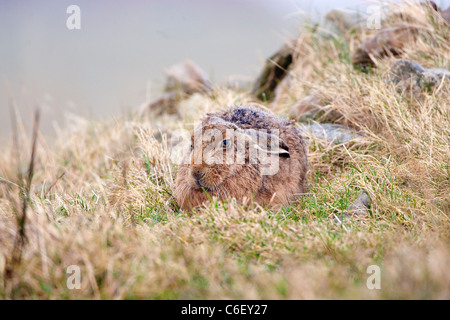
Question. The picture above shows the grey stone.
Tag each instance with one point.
(333, 133)
(274, 72)
(166, 103)
(360, 207)
(337, 22)
(446, 15)
(410, 77)
(314, 107)
(385, 42)
(183, 80)
(357, 209)
(187, 77)
(307, 107)
(434, 76)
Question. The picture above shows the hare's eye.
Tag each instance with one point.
(226, 143)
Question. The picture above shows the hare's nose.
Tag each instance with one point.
(197, 173)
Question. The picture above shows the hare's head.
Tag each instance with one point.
(220, 150)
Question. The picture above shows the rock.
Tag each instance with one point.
(188, 78)
(432, 78)
(337, 22)
(412, 78)
(313, 107)
(438, 74)
(446, 15)
(307, 107)
(167, 103)
(183, 80)
(238, 83)
(388, 41)
(332, 133)
(360, 207)
(431, 4)
(274, 71)
(404, 69)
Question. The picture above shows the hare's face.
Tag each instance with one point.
(213, 155)
(221, 150)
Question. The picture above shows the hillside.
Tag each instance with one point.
(101, 197)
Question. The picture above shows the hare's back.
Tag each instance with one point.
(249, 117)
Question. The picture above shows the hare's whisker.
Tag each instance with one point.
(232, 174)
(185, 192)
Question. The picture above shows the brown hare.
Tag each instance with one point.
(243, 152)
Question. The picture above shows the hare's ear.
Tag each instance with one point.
(216, 120)
(269, 143)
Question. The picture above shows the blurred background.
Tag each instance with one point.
(116, 61)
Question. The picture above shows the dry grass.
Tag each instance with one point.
(101, 198)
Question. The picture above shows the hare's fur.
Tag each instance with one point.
(197, 182)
